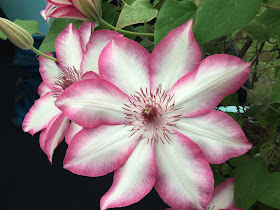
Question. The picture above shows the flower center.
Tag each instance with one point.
(152, 115)
(65, 80)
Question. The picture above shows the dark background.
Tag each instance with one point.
(28, 180)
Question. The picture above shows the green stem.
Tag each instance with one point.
(43, 54)
(103, 22)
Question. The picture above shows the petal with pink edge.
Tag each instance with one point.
(223, 196)
(55, 134)
(93, 102)
(176, 55)
(184, 178)
(201, 90)
(90, 75)
(134, 180)
(68, 48)
(98, 41)
(68, 12)
(72, 131)
(124, 63)
(40, 114)
(98, 151)
(217, 134)
(43, 89)
(49, 70)
(85, 31)
(60, 2)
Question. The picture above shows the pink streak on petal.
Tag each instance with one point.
(176, 55)
(217, 76)
(86, 31)
(217, 134)
(68, 12)
(124, 63)
(90, 75)
(98, 41)
(93, 102)
(134, 180)
(72, 131)
(98, 151)
(184, 178)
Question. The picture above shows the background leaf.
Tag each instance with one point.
(271, 19)
(173, 14)
(250, 182)
(57, 26)
(272, 3)
(29, 25)
(271, 195)
(256, 31)
(215, 18)
(140, 11)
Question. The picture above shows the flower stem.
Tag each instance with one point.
(43, 54)
(103, 22)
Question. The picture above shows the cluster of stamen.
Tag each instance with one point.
(151, 115)
(68, 77)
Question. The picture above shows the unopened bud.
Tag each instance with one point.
(90, 8)
(16, 34)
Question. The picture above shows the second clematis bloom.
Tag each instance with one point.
(150, 119)
(85, 10)
(77, 54)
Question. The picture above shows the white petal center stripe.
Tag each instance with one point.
(151, 114)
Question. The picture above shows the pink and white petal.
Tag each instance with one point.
(43, 89)
(223, 196)
(68, 48)
(68, 12)
(98, 41)
(60, 2)
(217, 134)
(98, 151)
(85, 31)
(44, 132)
(49, 9)
(93, 102)
(124, 63)
(55, 135)
(49, 70)
(201, 90)
(184, 178)
(134, 180)
(90, 75)
(176, 55)
(40, 114)
(72, 131)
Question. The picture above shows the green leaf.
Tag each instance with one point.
(140, 11)
(57, 26)
(29, 25)
(272, 3)
(275, 95)
(173, 14)
(236, 161)
(256, 31)
(109, 13)
(271, 195)
(271, 19)
(2, 36)
(215, 18)
(251, 179)
(231, 99)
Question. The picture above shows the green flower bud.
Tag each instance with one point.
(90, 8)
(16, 34)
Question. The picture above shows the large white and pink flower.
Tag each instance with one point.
(85, 10)
(150, 119)
(222, 198)
(77, 54)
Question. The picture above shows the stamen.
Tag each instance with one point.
(147, 113)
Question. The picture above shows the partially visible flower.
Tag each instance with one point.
(77, 54)
(16, 34)
(85, 10)
(222, 198)
(150, 119)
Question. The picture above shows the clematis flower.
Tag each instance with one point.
(85, 10)
(77, 54)
(222, 198)
(150, 119)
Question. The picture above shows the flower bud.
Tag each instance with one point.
(16, 34)
(90, 8)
